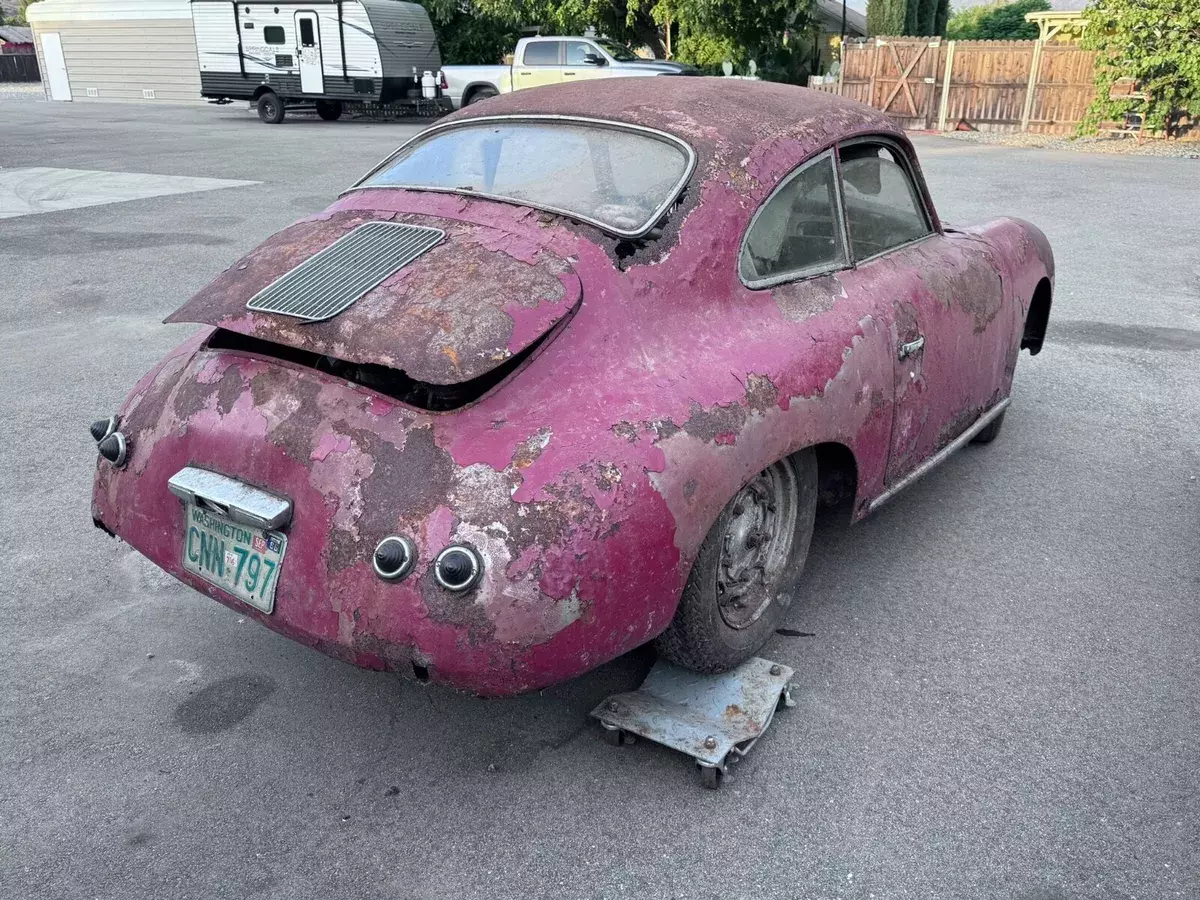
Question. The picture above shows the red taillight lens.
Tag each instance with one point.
(445, 84)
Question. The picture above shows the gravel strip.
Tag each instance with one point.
(21, 91)
(1100, 144)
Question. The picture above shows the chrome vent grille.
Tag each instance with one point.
(332, 280)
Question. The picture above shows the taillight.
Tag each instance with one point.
(445, 83)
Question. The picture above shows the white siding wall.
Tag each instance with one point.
(216, 37)
(119, 48)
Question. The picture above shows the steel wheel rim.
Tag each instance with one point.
(756, 544)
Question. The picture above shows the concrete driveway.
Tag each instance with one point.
(998, 697)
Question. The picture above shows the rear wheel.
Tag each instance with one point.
(746, 573)
(481, 94)
(271, 109)
(329, 110)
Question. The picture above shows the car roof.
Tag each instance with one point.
(721, 118)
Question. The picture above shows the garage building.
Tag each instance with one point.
(140, 50)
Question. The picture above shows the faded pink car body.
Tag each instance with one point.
(589, 478)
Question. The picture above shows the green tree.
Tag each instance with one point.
(708, 31)
(19, 18)
(996, 22)
(907, 18)
(886, 17)
(466, 36)
(1154, 41)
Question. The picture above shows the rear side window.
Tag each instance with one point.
(273, 34)
(542, 53)
(797, 232)
(883, 208)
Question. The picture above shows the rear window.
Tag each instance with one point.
(541, 53)
(622, 179)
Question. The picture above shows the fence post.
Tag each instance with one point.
(874, 70)
(944, 107)
(1035, 67)
(843, 52)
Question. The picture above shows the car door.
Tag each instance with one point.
(540, 63)
(582, 61)
(946, 296)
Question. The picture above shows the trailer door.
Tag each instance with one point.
(308, 52)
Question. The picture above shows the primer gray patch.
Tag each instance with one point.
(39, 189)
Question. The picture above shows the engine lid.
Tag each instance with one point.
(443, 301)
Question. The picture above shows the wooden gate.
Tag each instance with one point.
(897, 76)
(987, 85)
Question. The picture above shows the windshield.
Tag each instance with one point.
(621, 179)
(619, 52)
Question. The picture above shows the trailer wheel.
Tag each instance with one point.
(270, 108)
(329, 110)
(479, 94)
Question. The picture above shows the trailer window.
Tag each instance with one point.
(273, 34)
(307, 38)
(622, 179)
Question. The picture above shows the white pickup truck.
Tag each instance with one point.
(551, 60)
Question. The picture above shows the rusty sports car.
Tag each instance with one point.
(570, 372)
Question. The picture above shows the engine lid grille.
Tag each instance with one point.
(329, 282)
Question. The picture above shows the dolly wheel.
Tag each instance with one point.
(618, 737)
(711, 776)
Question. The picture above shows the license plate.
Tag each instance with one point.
(236, 558)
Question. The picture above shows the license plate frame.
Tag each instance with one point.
(225, 553)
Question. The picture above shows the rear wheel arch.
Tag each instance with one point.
(1037, 318)
(476, 92)
(823, 474)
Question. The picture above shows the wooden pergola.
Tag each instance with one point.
(1057, 26)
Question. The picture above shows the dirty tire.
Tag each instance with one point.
(990, 431)
(271, 108)
(706, 634)
(480, 95)
(329, 110)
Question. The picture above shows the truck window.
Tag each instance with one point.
(578, 53)
(542, 53)
(619, 52)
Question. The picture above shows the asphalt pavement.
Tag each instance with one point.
(998, 697)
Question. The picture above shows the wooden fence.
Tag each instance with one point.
(19, 67)
(989, 85)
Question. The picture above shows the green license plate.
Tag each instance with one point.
(236, 558)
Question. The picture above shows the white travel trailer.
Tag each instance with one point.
(324, 53)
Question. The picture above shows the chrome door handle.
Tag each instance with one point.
(907, 350)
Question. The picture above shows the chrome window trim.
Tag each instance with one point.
(653, 220)
(811, 271)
